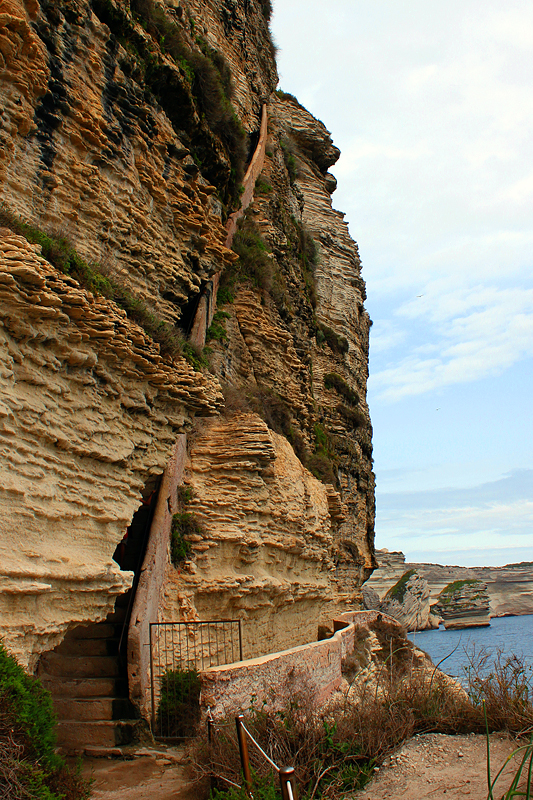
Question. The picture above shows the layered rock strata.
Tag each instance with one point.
(509, 587)
(88, 410)
(108, 142)
(464, 604)
(408, 602)
(271, 355)
(268, 553)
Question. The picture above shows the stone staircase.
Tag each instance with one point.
(88, 681)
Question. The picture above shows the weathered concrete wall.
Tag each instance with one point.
(148, 596)
(208, 301)
(314, 667)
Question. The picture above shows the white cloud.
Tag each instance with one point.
(431, 105)
(478, 332)
(495, 516)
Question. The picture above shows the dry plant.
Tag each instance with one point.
(503, 686)
(334, 750)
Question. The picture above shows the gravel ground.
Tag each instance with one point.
(149, 773)
(437, 766)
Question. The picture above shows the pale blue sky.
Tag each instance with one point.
(431, 104)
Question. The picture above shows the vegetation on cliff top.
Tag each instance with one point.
(456, 586)
(397, 592)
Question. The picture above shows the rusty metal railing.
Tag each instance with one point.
(286, 774)
(178, 652)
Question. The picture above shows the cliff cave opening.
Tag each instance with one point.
(188, 311)
(130, 551)
(87, 672)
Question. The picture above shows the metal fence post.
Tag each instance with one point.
(286, 783)
(152, 688)
(243, 750)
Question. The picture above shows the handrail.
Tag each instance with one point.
(286, 774)
(207, 302)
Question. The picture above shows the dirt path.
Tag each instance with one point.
(432, 766)
(156, 773)
(436, 766)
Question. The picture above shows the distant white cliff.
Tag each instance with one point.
(459, 596)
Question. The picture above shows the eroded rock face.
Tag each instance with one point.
(312, 390)
(464, 604)
(508, 587)
(88, 412)
(269, 555)
(126, 166)
(408, 602)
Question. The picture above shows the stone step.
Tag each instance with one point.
(57, 664)
(101, 630)
(88, 647)
(84, 687)
(74, 735)
(88, 709)
(116, 617)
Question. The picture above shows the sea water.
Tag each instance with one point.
(455, 649)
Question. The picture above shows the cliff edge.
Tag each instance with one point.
(135, 312)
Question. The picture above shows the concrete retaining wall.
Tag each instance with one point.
(314, 668)
(208, 301)
(149, 590)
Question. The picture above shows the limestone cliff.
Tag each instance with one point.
(126, 129)
(464, 604)
(509, 587)
(408, 602)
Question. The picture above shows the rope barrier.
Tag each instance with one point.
(260, 748)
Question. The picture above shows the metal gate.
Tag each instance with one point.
(178, 652)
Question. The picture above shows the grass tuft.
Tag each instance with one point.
(59, 252)
(184, 525)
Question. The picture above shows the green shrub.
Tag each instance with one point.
(226, 289)
(354, 416)
(322, 467)
(451, 588)
(59, 252)
(207, 90)
(397, 592)
(336, 342)
(337, 382)
(254, 261)
(333, 758)
(290, 161)
(305, 250)
(184, 494)
(31, 706)
(29, 765)
(216, 330)
(262, 186)
(178, 713)
(184, 524)
(286, 95)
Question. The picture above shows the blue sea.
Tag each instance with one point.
(510, 635)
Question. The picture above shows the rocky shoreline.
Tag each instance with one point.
(424, 595)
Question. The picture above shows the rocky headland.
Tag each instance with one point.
(458, 596)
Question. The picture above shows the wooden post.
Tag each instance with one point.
(243, 749)
(288, 789)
